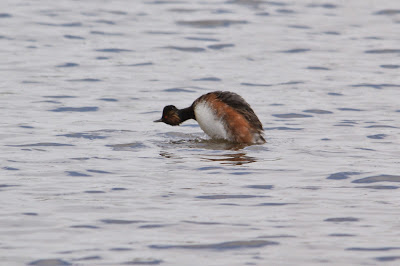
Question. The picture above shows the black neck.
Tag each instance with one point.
(186, 113)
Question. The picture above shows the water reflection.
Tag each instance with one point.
(231, 158)
(208, 149)
(208, 144)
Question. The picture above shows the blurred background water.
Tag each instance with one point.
(88, 179)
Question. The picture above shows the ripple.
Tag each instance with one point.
(342, 175)
(105, 33)
(220, 46)
(342, 235)
(76, 109)
(295, 51)
(7, 185)
(379, 187)
(335, 94)
(328, 6)
(217, 197)
(108, 99)
(378, 178)
(68, 65)
(117, 221)
(42, 144)
(202, 39)
(85, 226)
(273, 204)
(88, 258)
(151, 226)
(83, 135)
(318, 68)
(291, 115)
(73, 37)
(342, 219)
(241, 173)
(60, 97)
(73, 173)
(331, 33)
(210, 23)
(255, 84)
(202, 223)
(182, 89)
(133, 146)
(52, 262)
(30, 213)
(285, 11)
(5, 15)
(283, 128)
(277, 236)
(98, 171)
(208, 79)
(10, 168)
(104, 21)
(120, 249)
(303, 27)
(186, 49)
(207, 168)
(162, 32)
(383, 51)
(140, 64)
(390, 66)
(118, 189)
(94, 191)
(143, 262)
(350, 109)
(294, 82)
(221, 246)
(263, 14)
(388, 12)
(387, 258)
(380, 126)
(182, 10)
(260, 186)
(85, 80)
(376, 86)
(71, 24)
(317, 111)
(113, 50)
(377, 136)
(373, 249)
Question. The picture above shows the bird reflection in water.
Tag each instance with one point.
(231, 158)
(237, 156)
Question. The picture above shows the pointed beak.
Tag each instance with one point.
(158, 120)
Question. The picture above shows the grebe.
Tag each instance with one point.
(221, 115)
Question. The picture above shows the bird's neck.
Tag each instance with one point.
(186, 114)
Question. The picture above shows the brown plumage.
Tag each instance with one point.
(222, 115)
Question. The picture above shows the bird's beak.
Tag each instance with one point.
(158, 120)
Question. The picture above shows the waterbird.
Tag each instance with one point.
(221, 115)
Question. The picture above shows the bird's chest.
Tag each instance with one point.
(209, 122)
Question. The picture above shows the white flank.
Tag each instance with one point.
(209, 122)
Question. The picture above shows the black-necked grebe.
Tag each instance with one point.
(221, 115)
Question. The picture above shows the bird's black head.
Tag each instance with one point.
(170, 116)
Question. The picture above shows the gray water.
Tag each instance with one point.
(88, 179)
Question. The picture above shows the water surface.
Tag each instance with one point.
(88, 179)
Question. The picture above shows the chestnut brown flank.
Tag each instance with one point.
(236, 123)
(241, 123)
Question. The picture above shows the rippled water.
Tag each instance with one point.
(88, 179)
